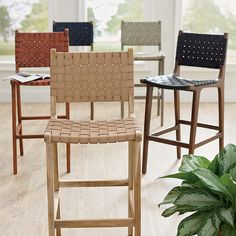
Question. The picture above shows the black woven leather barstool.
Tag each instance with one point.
(196, 50)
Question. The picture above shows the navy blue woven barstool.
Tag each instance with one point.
(80, 34)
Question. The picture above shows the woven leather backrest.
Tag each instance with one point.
(80, 33)
(201, 50)
(91, 77)
(141, 33)
(33, 49)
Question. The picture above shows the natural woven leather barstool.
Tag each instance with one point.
(85, 77)
(196, 50)
(33, 50)
(80, 34)
(145, 34)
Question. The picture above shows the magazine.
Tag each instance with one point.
(26, 77)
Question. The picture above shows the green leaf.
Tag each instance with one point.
(214, 166)
(227, 230)
(212, 182)
(192, 224)
(187, 176)
(227, 158)
(197, 184)
(227, 215)
(186, 184)
(171, 196)
(208, 229)
(170, 211)
(232, 173)
(192, 162)
(216, 221)
(198, 200)
(227, 181)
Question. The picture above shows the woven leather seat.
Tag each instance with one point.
(86, 77)
(174, 82)
(146, 34)
(85, 132)
(193, 50)
(33, 50)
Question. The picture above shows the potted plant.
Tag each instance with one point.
(207, 192)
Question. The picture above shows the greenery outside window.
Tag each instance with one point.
(107, 17)
(25, 15)
(213, 16)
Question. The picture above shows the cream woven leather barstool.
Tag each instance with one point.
(146, 34)
(86, 77)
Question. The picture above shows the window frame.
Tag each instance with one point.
(81, 15)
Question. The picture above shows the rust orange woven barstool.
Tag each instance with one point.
(33, 50)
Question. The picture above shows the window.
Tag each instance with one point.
(213, 16)
(26, 15)
(107, 20)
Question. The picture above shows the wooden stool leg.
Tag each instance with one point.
(158, 101)
(19, 119)
(137, 188)
(177, 117)
(56, 182)
(130, 186)
(221, 116)
(58, 217)
(68, 145)
(162, 107)
(147, 119)
(161, 72)
(50, 188)
(14, 143)
(194, 118)
(92, 110)
(122, 109)
(56, 171)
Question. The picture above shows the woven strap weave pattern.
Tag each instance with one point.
(91, 77)
(80, 33)
(201, 50)
(84, 132)
(33, 49)
(141, 33)
(174, 82)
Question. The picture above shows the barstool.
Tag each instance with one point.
(106, 77)
(146, 34)
(32, 50)
(80, 34)
(195, 50)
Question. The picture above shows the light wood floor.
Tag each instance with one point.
(23, 209)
